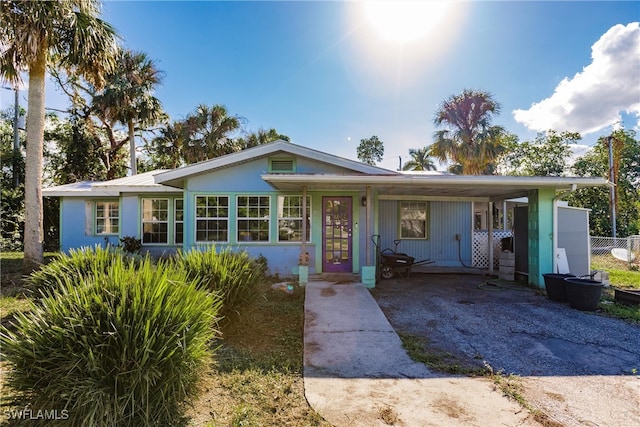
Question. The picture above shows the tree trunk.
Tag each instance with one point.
(132, 148)
(33, 224)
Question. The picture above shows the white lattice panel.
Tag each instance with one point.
(480, 255)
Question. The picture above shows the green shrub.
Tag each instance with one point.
(234, 275)
(76, 265)
(124, 348)
(130, 244)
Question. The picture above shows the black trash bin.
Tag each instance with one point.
(555, 285)
(583, 294)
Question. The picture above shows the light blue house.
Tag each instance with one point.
(295, 205)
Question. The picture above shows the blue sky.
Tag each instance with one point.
(324, 74)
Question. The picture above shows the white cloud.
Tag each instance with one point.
(594, 98)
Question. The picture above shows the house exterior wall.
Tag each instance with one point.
(130, 210)
(446, 219)
(245, 177)
(282, 257)
(245, 180)
(77, 224)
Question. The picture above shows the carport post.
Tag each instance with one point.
(490, 236)
(303, 259)
(540, 214)
(369, 209)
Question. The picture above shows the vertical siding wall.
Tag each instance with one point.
(446, 219)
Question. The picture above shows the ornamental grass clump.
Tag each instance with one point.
(234, 275)
(126, 347)
(76, 265)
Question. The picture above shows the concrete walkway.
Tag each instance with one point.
(356, 372)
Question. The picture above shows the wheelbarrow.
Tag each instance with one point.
(391, 262)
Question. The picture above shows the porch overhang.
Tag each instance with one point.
(462, 187)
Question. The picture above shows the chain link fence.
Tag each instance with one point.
(615, 252)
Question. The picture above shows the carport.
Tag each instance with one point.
(543, 194)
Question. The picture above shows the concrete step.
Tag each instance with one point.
(335, 277)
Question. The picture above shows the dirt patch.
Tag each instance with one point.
(451, 408)
(578, 368)
(327, 292)
(388, 415)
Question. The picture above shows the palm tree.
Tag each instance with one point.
(260, 137)
(128, 97)
(35, 35)
(470, 140)
(165, 150)
(420, 160)
(209, 131)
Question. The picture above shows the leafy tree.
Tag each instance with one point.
(420, 160)
(11, 197)
(547, 155)
(596, 163)
(470, 142)
(74, 156)
(207, 133)
(128, 97)
(370, 150)
(34, 36)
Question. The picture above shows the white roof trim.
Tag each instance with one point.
(140, 183)
(460, 187)
(174, 177)
(441, 180)
(83, 188)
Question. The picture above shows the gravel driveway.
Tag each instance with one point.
(580, 368)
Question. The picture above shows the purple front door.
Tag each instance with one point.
(336, 235)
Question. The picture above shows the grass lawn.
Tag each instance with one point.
(255, 378)
(621, 277)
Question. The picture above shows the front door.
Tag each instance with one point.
(336, 234)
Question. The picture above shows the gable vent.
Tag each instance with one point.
(282, 165)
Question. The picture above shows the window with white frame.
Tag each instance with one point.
(155, 221)
(253, 216)
(212, 218)
(178, 218)
(290, 218)
(414, 220)
(107, 217)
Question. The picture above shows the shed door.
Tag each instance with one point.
(336, 234)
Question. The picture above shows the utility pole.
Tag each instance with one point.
(612, 189)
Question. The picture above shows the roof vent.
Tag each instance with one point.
(282, 165)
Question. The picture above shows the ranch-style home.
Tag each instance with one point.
(299, 206)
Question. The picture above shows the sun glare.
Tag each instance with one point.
(405, 21)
